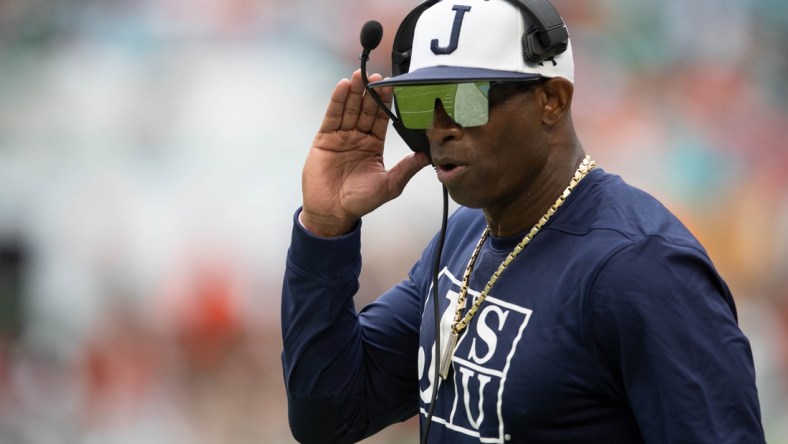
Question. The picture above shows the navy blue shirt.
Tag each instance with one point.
(611, 326)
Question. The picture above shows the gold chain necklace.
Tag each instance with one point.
(461, 322)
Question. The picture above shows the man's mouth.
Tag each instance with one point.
(448, 172)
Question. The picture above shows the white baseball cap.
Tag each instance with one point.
(475, 40)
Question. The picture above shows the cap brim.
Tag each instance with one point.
(450, 74)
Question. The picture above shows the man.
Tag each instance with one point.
(573, 307)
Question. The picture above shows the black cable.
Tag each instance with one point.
(372, 92)
(371, 34)
(436, 310)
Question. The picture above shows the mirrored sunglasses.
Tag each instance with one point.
(466, 103)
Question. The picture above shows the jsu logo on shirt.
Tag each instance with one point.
(480, 365)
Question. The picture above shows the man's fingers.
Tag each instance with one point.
(353, 103)
(403, 172)
(371, 112)
(336, 107)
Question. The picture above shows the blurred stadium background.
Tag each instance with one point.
(150, 156)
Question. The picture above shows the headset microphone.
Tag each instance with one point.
(371, 35)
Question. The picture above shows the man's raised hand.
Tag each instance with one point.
(344, 177)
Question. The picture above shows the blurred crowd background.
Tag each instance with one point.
(150, 156)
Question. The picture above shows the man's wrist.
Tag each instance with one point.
(325, 227)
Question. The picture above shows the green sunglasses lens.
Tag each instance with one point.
(466, 103)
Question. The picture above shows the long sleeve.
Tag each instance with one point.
(347, 374)
(665, 331)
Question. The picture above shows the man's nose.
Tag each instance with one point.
(443, 128)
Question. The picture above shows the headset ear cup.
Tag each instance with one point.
(547, 36)
(400, 54)
(532, 49)
(402, 49)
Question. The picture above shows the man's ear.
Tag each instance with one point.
(557, 96)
